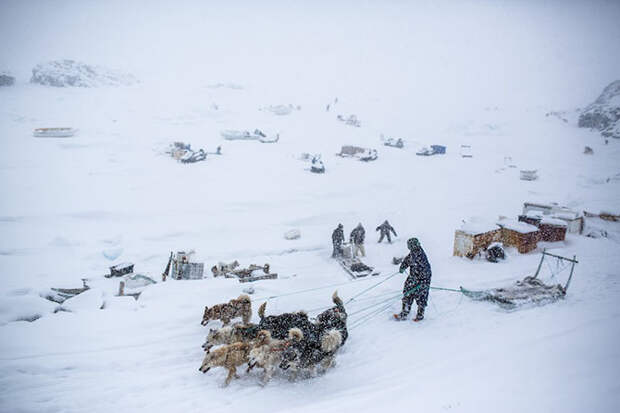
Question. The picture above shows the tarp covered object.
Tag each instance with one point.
(528, 291)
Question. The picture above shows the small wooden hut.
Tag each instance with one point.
(524, 237)
(552, 229)
(475, 236)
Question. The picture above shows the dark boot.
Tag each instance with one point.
(420, 315)
(400, 316)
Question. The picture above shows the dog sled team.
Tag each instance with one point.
(288, 342)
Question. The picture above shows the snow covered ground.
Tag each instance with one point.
(449, 73)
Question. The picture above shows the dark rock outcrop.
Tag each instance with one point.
(69, 73)
(604, 113)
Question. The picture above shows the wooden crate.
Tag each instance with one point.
(524, 237)
(469, 243)
(552, 230)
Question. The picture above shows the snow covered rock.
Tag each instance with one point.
(6, 79)
(604, 113)
(69, 73)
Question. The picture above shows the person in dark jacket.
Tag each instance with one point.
(337, 240)
(357, 239)
(418, 282)
(385, 229)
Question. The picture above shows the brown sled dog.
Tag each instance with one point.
(230, 357)
(238, 307)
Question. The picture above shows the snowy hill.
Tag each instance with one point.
(446, 73)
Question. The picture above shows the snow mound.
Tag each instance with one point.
(89, 300)
(69, 73)
(24, 305)
(6, 79)
(604, 113)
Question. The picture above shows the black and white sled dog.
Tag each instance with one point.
(318, 349)
(279, 325)
(309, 354)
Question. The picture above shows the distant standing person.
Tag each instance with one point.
(357, 239)
(417, 283)
(385, 229)
(337, 240)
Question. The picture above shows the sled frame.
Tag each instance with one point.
(573, 261)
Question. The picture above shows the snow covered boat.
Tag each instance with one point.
(394, 143)
(239, 135)
(54, 132)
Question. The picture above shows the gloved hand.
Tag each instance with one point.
(402, 270)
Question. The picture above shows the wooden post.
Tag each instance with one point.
(540, 263)
(572, 268)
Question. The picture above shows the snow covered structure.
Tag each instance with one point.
(520, 235)
(70, 73)
(474, 236)
(574, 221)
(6, 79)
(121, 269)
(604, 113)
(551, 229)
(54, 132)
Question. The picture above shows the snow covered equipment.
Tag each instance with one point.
(531, 290)
(352, 120)
(362, 154)
(369, 155)
(528, 174)
(54, 132)
(257, 135)
(434, 150)
(184, 153)
(250, 274)
(394, 143)
(181, 268)
(60, 295)
(353, 265)
(350, 151)
(292, 234)
(192, 157)
(121, 269)
(222, 269)
(466, 151)
(317, 166)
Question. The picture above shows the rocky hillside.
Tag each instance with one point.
(604, 113)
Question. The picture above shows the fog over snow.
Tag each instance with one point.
(508, 79)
